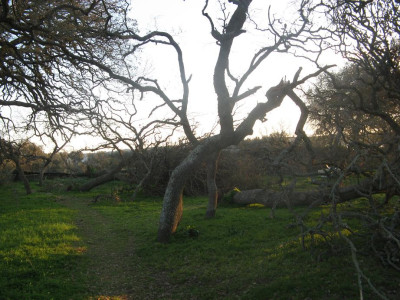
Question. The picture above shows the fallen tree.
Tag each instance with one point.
(288, 197)
(109, 176)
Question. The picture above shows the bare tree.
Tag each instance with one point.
(231, 134)
(136, 144)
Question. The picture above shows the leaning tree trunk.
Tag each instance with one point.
(102, 179)
(172, 209)
(171, 212)
(212, 166)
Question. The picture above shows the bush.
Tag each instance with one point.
(228, 197)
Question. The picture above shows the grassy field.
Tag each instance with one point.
(61, 245)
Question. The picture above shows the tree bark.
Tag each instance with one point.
(232, 30)
(212, 166)
(102, 179)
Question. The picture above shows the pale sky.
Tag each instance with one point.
(183, 20)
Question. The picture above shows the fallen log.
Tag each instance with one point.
(291, 197)
(271, 198)
(109, 176)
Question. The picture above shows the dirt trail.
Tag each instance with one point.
(110, 252)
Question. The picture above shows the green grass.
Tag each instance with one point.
(39, 246)
(240, 254)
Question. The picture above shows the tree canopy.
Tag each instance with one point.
(39, 42)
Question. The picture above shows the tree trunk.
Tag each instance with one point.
(23, 178)
(212, 166)
(43, 170)
(294, 198)
(171, 212)
(102, 179)
(41, 175)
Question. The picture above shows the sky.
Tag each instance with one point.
(183, 20)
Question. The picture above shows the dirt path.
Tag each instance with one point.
(110, 252)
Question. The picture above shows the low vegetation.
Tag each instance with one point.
(63, 245)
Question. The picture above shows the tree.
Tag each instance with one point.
(87, 75)
(360, 106)
(142, 142)
(87, 71)
(364, 97)
(115, 74)
(37, 78)
(71, 69)
(48, 159)
(13, 151)
(372, 28)
(337, 109)
(230, 134)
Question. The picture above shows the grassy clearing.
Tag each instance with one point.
(240, 254)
